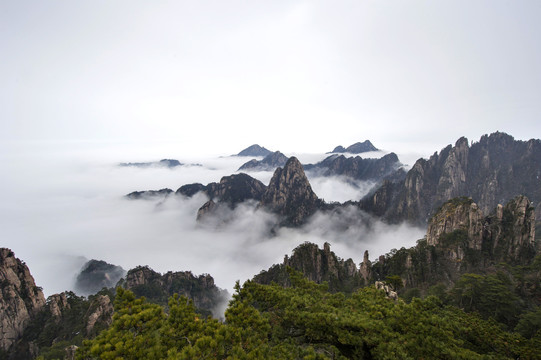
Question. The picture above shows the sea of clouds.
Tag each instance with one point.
(64, 204)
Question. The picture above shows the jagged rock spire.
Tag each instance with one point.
(289, 194)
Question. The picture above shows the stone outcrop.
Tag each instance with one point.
(318, 265)
(390, 293)
(491, 172)
(365, 268)
(97, 274)
(269, 163)
(461, 239)
(100, 311)
(144, 281)
(290, 195)
(458, 214)
(20, 299)
(254, 150)
(356, 148)
(358, 168)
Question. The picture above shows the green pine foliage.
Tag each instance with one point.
(306, 321)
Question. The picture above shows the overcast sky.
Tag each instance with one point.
(217, 76)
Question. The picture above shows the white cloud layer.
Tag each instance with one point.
(63, 206)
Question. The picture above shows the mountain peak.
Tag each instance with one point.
(289, 194)
(254, 150)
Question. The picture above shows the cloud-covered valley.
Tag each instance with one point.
(63, 206)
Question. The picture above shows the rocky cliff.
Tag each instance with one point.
(269, 163)
(319, 265)
(491, 171)
(290, 195)
(460, 239)
(144, 281)
(358, 168)
(20, 299)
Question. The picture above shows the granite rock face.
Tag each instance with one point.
(491, 172)
(461, 239)
(318, 265)
(290, 195)
(20, 299)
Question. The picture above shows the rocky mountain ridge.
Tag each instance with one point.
(357, 148)
(491, 171)
(386, 167)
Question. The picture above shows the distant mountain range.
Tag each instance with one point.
(357, 148)
(168, 163)
(254, 150)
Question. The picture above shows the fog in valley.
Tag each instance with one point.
(64, 204)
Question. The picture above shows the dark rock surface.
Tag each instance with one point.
(290, 195)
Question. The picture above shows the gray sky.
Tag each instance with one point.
(217, 76)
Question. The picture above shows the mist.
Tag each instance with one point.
(64, 205)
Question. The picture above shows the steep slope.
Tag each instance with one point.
(290, 195)
(491, 171)
(20, 299)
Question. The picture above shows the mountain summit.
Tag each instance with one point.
(254, 150)
(289, 194)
